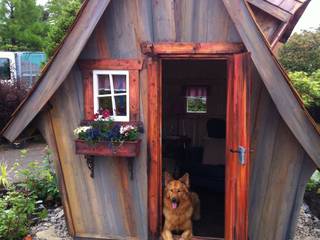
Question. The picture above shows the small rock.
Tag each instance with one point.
(60, 214)
(48, 234)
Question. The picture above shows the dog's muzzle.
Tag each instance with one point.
(174, 203)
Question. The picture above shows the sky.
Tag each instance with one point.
(310, 18)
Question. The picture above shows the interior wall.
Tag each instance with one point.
(179, 74)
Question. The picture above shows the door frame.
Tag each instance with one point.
(155, 54)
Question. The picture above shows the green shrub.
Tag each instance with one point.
(17, 210)
(314, 182)
(308, 86)
(39, 179)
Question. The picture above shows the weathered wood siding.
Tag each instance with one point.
(279, 171)
(112, 205)
(124, 26)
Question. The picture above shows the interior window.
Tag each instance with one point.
(4, 69)
(111, 92)
(196, 98)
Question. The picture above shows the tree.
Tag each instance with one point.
(61, 15)
(22, 25)
(308, 87)
(302, 52)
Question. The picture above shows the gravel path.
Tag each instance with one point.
(308, 226)
(52, 228)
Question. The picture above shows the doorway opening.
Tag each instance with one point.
(194, 101)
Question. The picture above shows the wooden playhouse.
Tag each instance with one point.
(200, 76)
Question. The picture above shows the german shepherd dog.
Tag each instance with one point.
(180, 207)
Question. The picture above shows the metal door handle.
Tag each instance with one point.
(241, 154)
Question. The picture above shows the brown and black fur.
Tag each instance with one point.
(179, 218)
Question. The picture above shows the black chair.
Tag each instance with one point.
(208, 176)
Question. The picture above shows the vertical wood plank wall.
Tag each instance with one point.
(112, 205)
(279, 171)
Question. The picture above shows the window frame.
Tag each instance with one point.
(96, 94)
(133, 66)
(196, 112)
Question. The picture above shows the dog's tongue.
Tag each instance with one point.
(174, 205)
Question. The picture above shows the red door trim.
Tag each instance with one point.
(236, 202)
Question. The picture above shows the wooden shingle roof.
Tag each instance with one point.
(290, 6)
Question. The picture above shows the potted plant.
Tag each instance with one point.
(104, 137)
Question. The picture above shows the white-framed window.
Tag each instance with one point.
(111, 91)
(196, 99)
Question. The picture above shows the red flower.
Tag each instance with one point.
(105, 113)
(96, 115)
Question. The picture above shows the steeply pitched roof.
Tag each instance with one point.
(287, 12)
(274, 77)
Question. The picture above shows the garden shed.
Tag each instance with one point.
(201, 78)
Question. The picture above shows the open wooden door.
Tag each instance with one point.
(238, 147)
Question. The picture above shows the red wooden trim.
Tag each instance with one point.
(126, 149)
(154, 148)
(191, 48)
(111, 64)
(238, 134)
(88, 94)
(134, 95)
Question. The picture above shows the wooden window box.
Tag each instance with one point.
(107, 149)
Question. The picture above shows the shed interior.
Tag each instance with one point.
(193, 134)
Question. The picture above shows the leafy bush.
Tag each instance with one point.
(308, 86)
(314, 182)
(40, 180)
(16, 213)
(11, 94)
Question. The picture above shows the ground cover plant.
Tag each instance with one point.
(22, 204)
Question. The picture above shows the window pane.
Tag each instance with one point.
(119, 83)
(104, 84)
(197, 105)
(121, 105)
(106, 103)
(4, 69)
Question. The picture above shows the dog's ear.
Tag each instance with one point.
(167, 178)
(185, 179)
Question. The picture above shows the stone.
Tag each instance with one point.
(48, 234)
